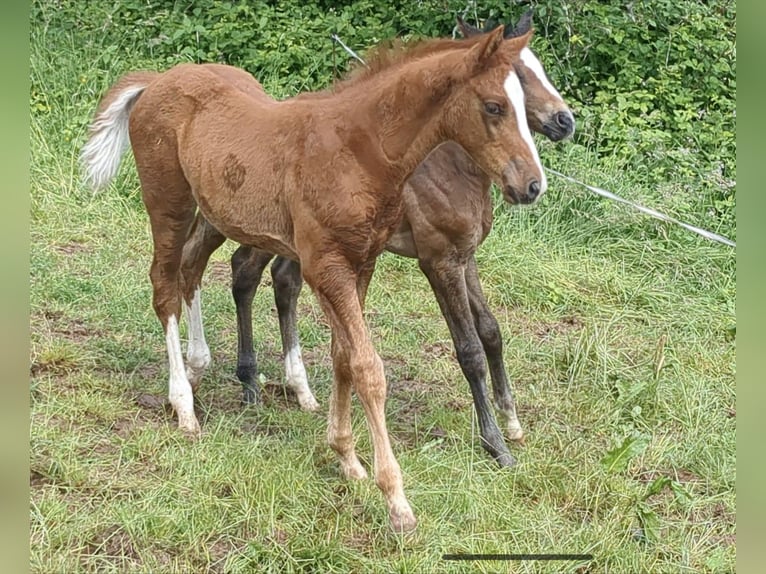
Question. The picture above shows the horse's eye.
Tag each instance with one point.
(493, 108)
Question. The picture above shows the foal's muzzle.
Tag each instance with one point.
(526, 196)
(560, 126)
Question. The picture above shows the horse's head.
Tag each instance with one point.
(547, 112)
(486, 116)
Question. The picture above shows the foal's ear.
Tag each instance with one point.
(523, 26)
(485, 48)
(518, 43)
(466, 29)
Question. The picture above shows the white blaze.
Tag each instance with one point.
(516, 95)
(534, 65)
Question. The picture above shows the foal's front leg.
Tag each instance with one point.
(356, 362)
(448, 283)
(492, 340)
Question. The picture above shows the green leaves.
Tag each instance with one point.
(653, 84)
(617, 459)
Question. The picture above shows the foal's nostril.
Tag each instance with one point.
(564, 120)
(534, 189)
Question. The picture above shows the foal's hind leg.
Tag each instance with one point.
(448, 283)
(247, 265)
(286, 275)
(492, 340)
(170, 221)
(203, 240)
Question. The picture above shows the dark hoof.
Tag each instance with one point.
(251, 395)
(505, 459)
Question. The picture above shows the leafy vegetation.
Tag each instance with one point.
(653, 84)
(619, 329)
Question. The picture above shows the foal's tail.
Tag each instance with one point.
(100, 157)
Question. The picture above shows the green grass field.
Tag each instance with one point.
(620, 339)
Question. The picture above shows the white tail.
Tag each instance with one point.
(100, 157)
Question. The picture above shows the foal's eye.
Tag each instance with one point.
(493, 108)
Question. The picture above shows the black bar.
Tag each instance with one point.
(517, 557)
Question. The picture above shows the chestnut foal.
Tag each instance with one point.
(317, 180)
(447, 215)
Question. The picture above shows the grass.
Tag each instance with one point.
(619, 334)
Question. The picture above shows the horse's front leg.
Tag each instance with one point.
(356, 362)
(447, 280)
(492, 340)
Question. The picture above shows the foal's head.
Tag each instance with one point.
(486, 116)
(547, 113)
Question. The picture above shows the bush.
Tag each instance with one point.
(652, 83)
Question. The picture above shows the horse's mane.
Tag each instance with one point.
(393, 53)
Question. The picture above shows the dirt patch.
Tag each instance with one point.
(317, 357)
(112, 542)
(526, 326)
(563, 326)
(439, 349)
(152, 402)
(123, 428)
(71, 248)
(408, 388)
(277, 537)
(680, 475)
(54, 365)
(66, 335)
(37, 480)
(102, 449)
(71, 328)
(221, 549)
(361, 540)
(279, 396)
(458, 404)
(405, 410)
(147, 371)
(262, 429)
(720, 520)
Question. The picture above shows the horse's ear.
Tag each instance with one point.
(466, 29)
(489, 24)
(523, 26)
(518, 43)
(484, 49)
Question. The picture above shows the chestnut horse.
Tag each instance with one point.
(447, 214)
(316, 180)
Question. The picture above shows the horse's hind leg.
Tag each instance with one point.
(286, 275)
(492, 340)
(171, 212)
(203, 240)
(447, 280)
(247, 265)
